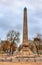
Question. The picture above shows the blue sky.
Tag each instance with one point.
(11, 16)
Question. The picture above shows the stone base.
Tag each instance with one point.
(21, 59)
(25, 52)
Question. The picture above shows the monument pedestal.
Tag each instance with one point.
(25, 52)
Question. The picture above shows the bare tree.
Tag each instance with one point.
(38, 42)
(13, 36)
(38, 35)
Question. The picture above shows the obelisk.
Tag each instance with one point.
(25, 28)
(25, 46)
(25, 51)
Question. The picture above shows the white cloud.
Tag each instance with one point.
(37, 4)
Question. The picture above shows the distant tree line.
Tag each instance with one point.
(13, 38)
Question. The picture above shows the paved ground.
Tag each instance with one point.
(19, 63)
